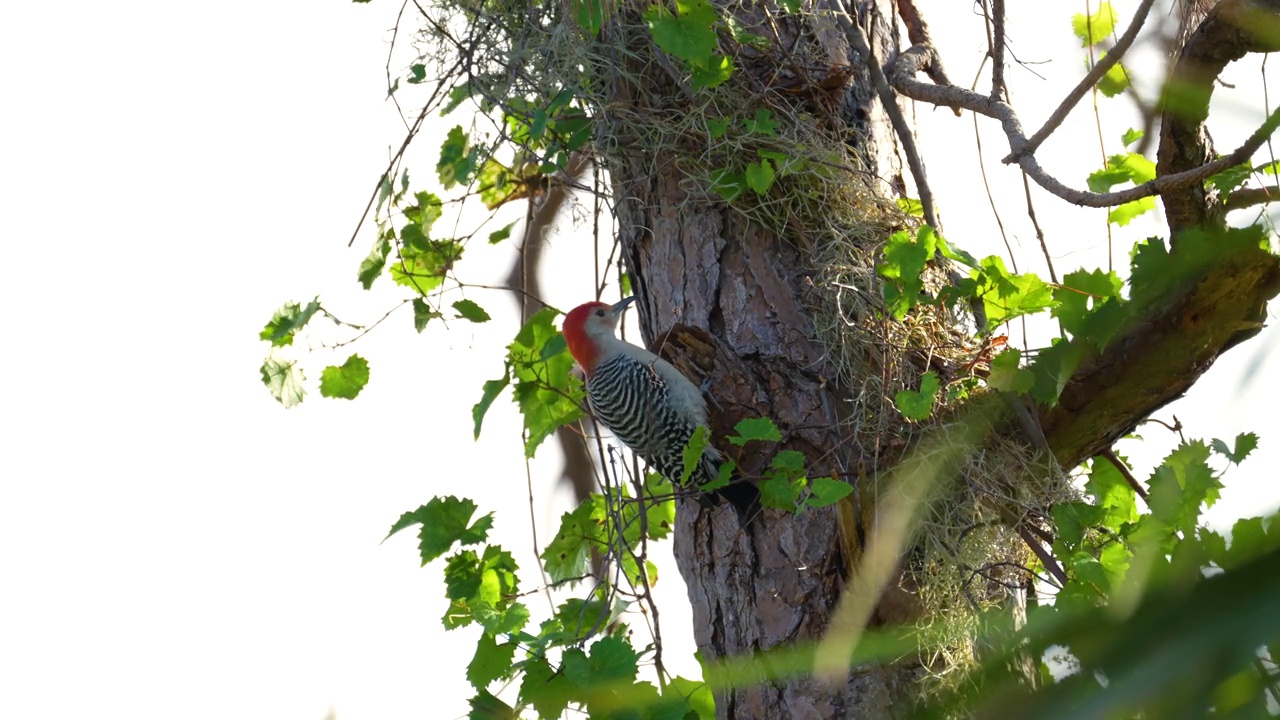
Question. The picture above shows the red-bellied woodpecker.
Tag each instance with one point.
(645, 401)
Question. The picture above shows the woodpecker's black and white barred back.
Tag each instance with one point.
(646, 402)
(634, 402)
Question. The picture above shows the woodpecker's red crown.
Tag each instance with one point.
(587, 325)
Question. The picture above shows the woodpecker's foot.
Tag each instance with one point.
(705, 389)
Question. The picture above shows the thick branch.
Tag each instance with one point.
(1158, 357)
(1230, 31)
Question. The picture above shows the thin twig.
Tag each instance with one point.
(858, 38)
(917, 58)
(1046, 558)
(1090, 79)
(533, 529)
(1031, 213)
(1119, 464)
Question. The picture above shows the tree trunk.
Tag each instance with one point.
(738, 297)
(732, 294)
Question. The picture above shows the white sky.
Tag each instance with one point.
(172, 542)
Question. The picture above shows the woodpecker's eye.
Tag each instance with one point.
(600, 313)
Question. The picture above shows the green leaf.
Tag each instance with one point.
(579, 619)
(1093, 29)
(918, 405)
(491, 662)
(954, 253)
(1103, 322)
(345, 381)
(792, 6)
(904, 260)
(545, 393)
(1007, 375)
(728, 185)
(458, 160)
(485, 706)
(779, 491)
(790, 462)
(488, 395)
(372, 265)
(1115, 81)
(763, 123)
(555, 345)
(612, 661)
(468, 310)
(717, 127)
(498, 184)
(1181, 485)
(760, 176)
(711, 73)
(1156, 272)
(482, 589)
(1053, 368)
(1072, 519)
(581, 531)
(1245, 444)
(686, 34)
(423, 214)
(589, 14)
(1251, 539)
(750, 429)
(827, 491)
(693, 451)
(444, 521)
(1129, 167)
(546, 689)
(1079, 292)
(1131, 136)
(385, 188)
(423, 314)
(287, 321)
(283, 380)
(722, 479)
(697, 694)
(424, 269)
(742, 36)
(498, 236)
(1006, 296)
(911, 206)
(660, 506)
(1228, 180)
(1122, 215)
(1112, 493)
(417, 73)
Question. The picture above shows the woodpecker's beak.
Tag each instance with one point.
(622, 305)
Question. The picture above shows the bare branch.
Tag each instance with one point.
(1248, 197)
(917, 58)
(1090, 79)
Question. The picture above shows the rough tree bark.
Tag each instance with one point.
(729, 300)
(701, 266)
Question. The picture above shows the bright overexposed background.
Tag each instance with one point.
(173, 543)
